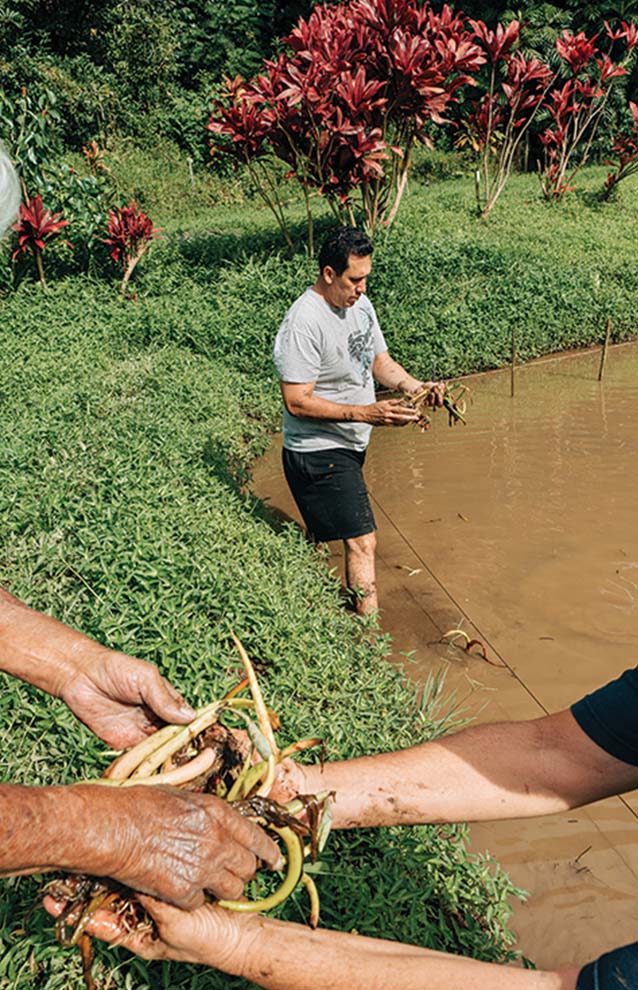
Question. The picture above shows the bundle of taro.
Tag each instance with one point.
(453, 402)
(208, 757)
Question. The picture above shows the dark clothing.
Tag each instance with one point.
(609, 716)
(617, 970)
(330, 492)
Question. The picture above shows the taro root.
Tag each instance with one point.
(453, 401)
(206, 756)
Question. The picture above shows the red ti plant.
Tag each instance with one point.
(362, 83)
(515, 90)
(625, 156)
(130, 232)
(36, 227)
(576, 106)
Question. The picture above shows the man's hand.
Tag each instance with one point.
(389, 412)
(436, 392)
(210, 935)
(170, 843)
(122, 699)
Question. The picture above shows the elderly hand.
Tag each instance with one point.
(122, 699)
(171, 843)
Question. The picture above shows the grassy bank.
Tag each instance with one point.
(121, 513)
(129, 433)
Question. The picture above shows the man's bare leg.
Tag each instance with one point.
(360, 572)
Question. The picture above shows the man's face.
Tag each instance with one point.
(344, 290)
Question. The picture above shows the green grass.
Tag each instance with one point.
(122, 512)
(129, 433)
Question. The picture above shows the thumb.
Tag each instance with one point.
(165, 701)
(160, 911)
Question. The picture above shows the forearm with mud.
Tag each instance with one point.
(285, 956)
(484, 773)
(73, 828)
(39, 649)
(314, 407)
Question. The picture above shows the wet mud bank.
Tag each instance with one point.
(520, 528)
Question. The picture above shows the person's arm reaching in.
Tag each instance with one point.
(171, 843)
(285, 956)
(484, 773)
(120, 698)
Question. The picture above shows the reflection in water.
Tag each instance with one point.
(521, 527)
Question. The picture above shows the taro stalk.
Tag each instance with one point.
(343, 111)
(130, 233)
(500, 120)
(37, 227)
(624, 156)
(576, 107)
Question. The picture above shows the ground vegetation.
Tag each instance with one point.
(126, 510)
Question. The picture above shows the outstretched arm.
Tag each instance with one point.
(285, 956)
(118, 697)
(487, 772)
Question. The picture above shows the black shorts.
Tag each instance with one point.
(330, 492)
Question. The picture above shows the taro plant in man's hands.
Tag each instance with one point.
(130, 233)
(35, 228)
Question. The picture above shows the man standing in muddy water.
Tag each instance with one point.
(328, 352)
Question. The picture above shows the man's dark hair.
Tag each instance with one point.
(340, 244)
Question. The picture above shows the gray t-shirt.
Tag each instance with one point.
(335, 348)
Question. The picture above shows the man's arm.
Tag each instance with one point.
(118, 697)
(171, 843)
(282, 955)
(300, 400)
(487, 772)
(390, 374)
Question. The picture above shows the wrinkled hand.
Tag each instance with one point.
(170, 843)
(210, 935)
(122, 699)
(390, 412)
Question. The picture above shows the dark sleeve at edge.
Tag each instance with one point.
(609, 717)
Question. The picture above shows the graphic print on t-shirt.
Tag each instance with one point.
(361, 353)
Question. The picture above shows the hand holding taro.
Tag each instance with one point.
(173, 844)
(389, 412)
(435, 392)
(120, 698)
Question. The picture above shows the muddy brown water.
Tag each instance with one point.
(521, 529)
